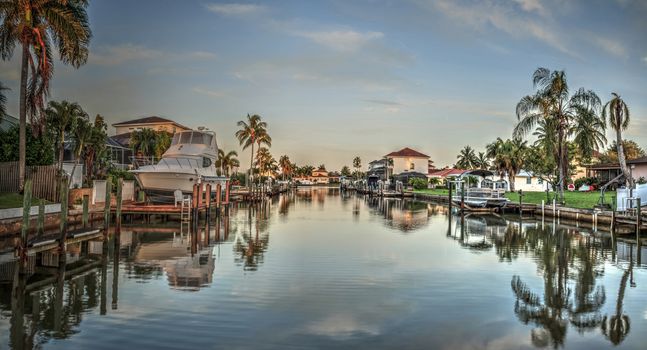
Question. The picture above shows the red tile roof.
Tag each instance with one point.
(447, 172)
(407, 152)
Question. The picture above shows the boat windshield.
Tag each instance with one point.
(179, 163)
(189, 137)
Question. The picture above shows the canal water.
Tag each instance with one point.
(320, 269)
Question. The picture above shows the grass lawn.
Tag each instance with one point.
(583, 200)
(14, 200)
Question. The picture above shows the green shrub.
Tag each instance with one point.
(418, 183)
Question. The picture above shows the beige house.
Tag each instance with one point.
(409, 160)
(123, 129)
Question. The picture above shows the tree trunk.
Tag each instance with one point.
(560, 163)
(251, 167)
(61, 151)
(22, 130)
(622, 159)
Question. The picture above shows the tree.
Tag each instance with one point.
(82, 134)
(482, 161)
(630, 148)
(467, 158)
(286, 166)
(588, 131)
(96, 152)
(40, 150)
(62, 117)
(37, 25)
(553, 103)
(618, 113)
(226, 161)
(357, 164)
(143, 142)
(162, 143)
(250, 130)
(507, 157)
(3, 101)
(345, 171)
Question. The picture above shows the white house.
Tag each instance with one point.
(528, 182)
(409, 160)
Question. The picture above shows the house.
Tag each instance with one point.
(445, 173)
(528, 182)
(319, 176)
(124, 129)
(638, 168)
(409, 160)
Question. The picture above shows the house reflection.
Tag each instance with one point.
(403, 215)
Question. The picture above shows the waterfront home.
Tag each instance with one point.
(407, 160)
(528, 182)
(319, 176)
(445, 173)
(125, 128)
(606, 172)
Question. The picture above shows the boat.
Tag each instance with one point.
(304, 182)
(488, 195)
(190, 159)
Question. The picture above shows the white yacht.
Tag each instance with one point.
(190, 159)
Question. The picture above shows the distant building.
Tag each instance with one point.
(409, 160)
(320, 176)
(445, 173)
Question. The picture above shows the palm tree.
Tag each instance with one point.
(37, 25)
(466, 158)
(286, 166)
(264, 161)
(226, 161)
(482, 161)
(249, 131)
(507, 157)
(96, 146)
(618, 113)
(357, 164)
(62, 117)
(162, 143)
(588, 131)
(143, 142)
(3, 101)
(552, 101)
(81, 135)
(345, 171)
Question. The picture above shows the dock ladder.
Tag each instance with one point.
(185, 205)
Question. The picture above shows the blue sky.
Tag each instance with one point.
(335, 79)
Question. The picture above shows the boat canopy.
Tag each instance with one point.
(477, 172)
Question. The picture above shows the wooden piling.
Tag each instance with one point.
(40, 229)
(26, 210)
(194, 202)
(218, 198)
(520, 203)
(638, 220)
(208, 197)
(86, 210)
(120, 185)
(64, 208)
(462, 196)
(449, 198)
(106, 210)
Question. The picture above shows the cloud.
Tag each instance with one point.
(481, 15)
(234, 9)
(645, 59)
(211, 93)
(611, 46)
(383, 102)
(118, 54)
(341, 40)
(532, 5)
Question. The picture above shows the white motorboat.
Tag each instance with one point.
(488, 195)
(189, 160)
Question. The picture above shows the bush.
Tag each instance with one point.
(418, 183)
(641, 180)
(590, 181)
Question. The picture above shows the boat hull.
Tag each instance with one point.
(161, 186)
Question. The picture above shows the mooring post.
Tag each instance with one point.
(227, 185)
(120, 185)
(208, 199)
(26, 211)
(638, 220)
(543, 209)
(64, 199)
(613, 215)
(218, 198)
(462, 196)
(40, 229)
(106, 207)
(194, 202)
(449, 198)
(86, 210)
(520, 202)
(554, 206)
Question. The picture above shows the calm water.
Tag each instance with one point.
(316, 269)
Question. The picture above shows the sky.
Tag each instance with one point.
(338, 79)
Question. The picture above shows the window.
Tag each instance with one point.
(185, 137)
(176, 139)
(540, 181)
(528, 180)
(206, 162)
(412, 166)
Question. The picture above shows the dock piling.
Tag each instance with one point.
(218, 198)
(64, 200)
(638, 219)
(86, 210)
(40, 228)
(26, 210)
(449, 198)
(106, 209)
(120, 184)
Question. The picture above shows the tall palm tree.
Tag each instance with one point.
(62, 117)
(162, 143)
(37, 25)
(3, 101)
(466, 158)
(143, 142)
(82, 135)
(618, 113)
(357, 164)
(507, 157)
(552, 101)
(286, 166)
(588, 131)
(96, 147)
(250, 130)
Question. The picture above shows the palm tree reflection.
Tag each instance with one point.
(250, 246)
(616, 328)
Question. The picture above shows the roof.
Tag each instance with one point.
(110, 141)
(122, 139)
(446, 172)
(604, 166)
(637, 160)
(149, 120)
(407, 152)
